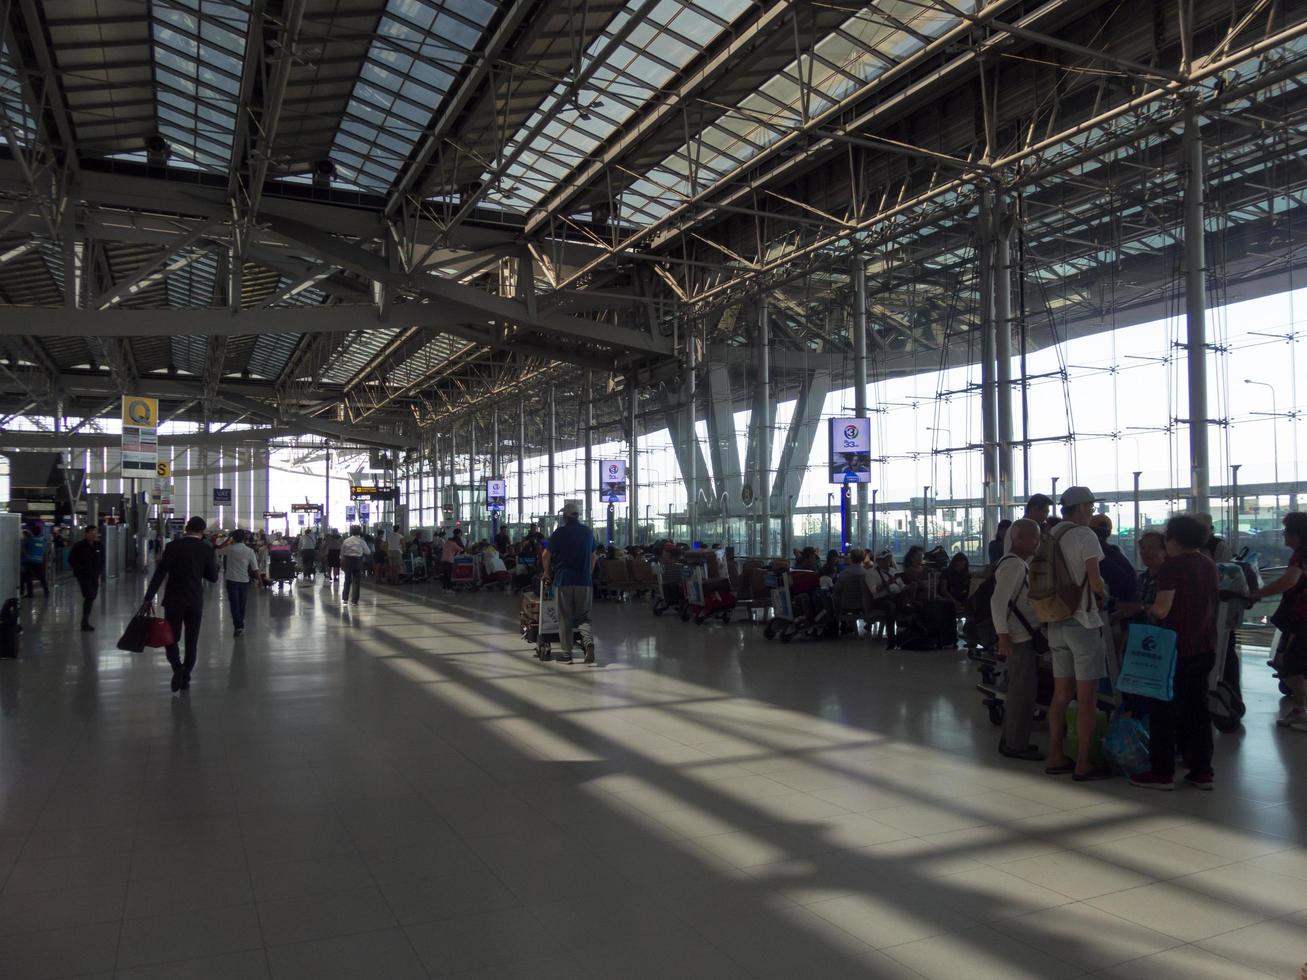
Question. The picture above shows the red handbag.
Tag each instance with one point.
(158, 632)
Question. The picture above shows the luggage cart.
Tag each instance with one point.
(539, 621)
(464, 573)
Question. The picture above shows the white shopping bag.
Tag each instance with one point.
(694, 588)
(548, 611)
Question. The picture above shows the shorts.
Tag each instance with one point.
(1078, 651)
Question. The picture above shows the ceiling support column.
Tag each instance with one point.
(988, 406)
(1195, 298)
(860, 532)
(1002, 218)
(552, 437)
(588, 430)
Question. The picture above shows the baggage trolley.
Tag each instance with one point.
(539, 621)
(464, 574)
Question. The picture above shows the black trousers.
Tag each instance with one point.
(90, 586)
(349, 592)
(1184, 717)
(34, 572)
(185, 623)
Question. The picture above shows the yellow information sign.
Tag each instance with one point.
(163, 470)
(140, 411)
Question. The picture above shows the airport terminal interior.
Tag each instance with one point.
(526, 488)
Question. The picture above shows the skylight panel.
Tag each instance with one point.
(418, 50)
(860, 49)
(18, 123)
(199, 48)
(651, 55)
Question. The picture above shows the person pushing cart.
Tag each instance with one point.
(569, 567)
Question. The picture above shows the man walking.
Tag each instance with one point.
(241, 563)
(187, 564)
(352, 552)
(33, 556)
(308, 552)
(84, 560)
(569, 565)
(332, 542)
(1014, 622)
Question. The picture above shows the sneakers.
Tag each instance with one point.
(1294, 718)
(565, 658)
(589, 653)
(238, 631)
(1151, 780)
(1201, 780)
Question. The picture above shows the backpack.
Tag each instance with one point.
(979, 628)
(1054, 592)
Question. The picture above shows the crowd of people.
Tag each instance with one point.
(1056, 587)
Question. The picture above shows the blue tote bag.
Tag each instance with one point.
(1149, 665)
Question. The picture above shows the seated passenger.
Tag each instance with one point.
(999, 544)
(884, 585)
(955, 583)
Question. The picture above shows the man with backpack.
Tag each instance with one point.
(1015, 624)
(1066, 590)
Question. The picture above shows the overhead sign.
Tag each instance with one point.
(365, 511)
(350, 511)
(163, 470)
(300, 518)
(612, 481)
(850, 450)
(140, 411)
(222, 497)
(496, 494)
(274, 515)
(373, 493)
(306, 508)
(140, 437)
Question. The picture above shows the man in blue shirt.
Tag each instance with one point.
(569, 566)
(34, 561)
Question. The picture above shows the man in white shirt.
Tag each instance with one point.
(240, 563)
(308, 553)
(1014, 620)
(352, 552)
(1077, 642)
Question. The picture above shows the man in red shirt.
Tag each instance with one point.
(1187, 587)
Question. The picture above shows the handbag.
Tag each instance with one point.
(1149, 665)
(158, 632)
(136, 636)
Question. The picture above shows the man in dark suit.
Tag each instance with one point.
(187, 563)
(85, 561)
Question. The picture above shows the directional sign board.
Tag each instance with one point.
(140, 437)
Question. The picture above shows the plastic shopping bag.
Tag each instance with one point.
(1071, 743)
(1126, 744)
(1149, 665)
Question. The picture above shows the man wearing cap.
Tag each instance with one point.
(569, 566)
(1077, 642)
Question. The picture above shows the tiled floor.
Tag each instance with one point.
(399, 790)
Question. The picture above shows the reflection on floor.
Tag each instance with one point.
(399, 790)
